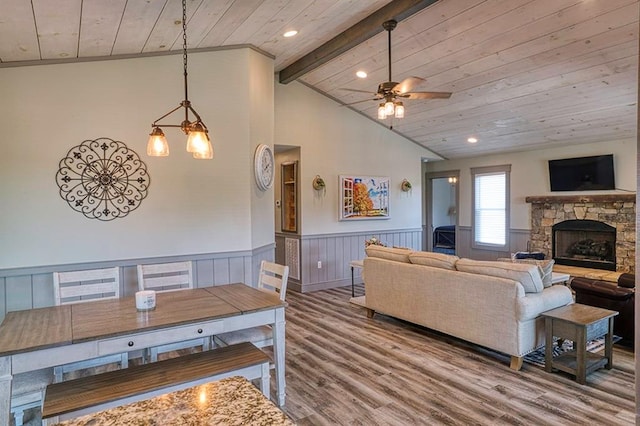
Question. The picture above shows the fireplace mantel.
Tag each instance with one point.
(593, 198)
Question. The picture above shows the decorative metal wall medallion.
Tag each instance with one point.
(103, 179)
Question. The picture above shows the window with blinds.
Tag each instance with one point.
(491, 207)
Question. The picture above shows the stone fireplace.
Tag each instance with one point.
(592, 231)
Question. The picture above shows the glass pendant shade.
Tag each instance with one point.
(389, 108)
(381, 112)
(157, 145)
(198, 139)
(399, 110)
(206, 153)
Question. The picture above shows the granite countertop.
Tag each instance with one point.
(232, 401)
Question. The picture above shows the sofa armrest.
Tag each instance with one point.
(627, 280)
(533, 304)
(601, 289)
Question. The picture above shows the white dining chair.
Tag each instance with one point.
(27, 390)
(81, 287)
(165, 277)
(273, 277)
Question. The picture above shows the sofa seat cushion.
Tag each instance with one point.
(388, 253)
(545, 267)
(437, 260)
(525, 274)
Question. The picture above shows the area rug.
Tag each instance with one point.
(537, 357)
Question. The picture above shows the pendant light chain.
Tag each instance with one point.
(184, 46)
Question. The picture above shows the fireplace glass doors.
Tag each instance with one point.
(584, 243)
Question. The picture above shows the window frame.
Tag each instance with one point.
(501, 169)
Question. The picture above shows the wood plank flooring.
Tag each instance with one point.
(345, 369)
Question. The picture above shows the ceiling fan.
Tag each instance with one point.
(392, 92)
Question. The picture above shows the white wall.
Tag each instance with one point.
(260, 78)
(193, 206)
(336, 141)
(530, 175)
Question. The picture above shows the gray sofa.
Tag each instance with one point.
(492, 304)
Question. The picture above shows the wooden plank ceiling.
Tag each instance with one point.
(525, 74)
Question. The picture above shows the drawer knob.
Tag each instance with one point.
(130, 343)
(199, 331)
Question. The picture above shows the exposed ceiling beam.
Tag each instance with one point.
(351, 37)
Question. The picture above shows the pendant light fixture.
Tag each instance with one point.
(198, 142)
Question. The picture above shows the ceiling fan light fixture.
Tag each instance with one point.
(399, 110)
(381, 112)
(389, 108)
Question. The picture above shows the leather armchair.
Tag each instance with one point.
(618, 296)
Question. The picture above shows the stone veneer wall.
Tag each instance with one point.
(617, 210)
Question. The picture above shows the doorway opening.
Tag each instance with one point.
(442, 211)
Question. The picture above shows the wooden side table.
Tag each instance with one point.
(579, 323)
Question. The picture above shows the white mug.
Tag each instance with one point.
(145, 300)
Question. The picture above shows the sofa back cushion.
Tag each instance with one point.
(525, 274)
(388, 253)
(438, 260)
(545, 267)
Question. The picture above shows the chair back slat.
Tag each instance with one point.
(87, 285)
(165, 276)
(274, 277)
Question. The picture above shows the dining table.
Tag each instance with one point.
(47, 337)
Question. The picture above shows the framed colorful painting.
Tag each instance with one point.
(364, 197)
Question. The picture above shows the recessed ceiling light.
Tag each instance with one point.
(290, 33)
(361, 74)
(472, 140)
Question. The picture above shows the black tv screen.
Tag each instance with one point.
(582, 174)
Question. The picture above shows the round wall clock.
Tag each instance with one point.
(264, 167)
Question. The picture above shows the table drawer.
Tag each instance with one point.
(159, 337)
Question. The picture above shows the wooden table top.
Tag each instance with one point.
(172, 308)
(33, 329)
(246, 299)
(577, 313)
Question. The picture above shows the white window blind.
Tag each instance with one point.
(490, 208)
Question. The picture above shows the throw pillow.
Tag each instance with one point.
(545, 268)
(388, 253)
(438, 260)
(525, 274)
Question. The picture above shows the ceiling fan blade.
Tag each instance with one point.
(407, 84)
(359, 91)
(426, 95)
(359, 102)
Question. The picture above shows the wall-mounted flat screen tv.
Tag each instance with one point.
(582, 174)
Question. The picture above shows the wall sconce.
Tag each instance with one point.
(318, 183)
(405, 185)
(453, 180)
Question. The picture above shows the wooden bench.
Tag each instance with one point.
(90, 394)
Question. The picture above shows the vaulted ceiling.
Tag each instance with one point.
(525, 74)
